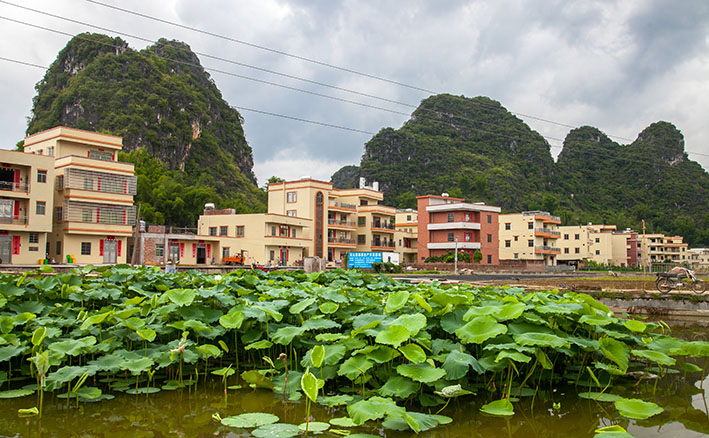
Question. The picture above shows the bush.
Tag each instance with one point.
(449, 257)
(386, 267)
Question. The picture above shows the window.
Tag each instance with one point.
(361, 239)
(290, 197)
(508, 225)
(508, 243)
(363, 202)
(362, 221)
(223, 230)
(467, 237)
(88, 184)
(212, 231)
(272, 254)
(489, 220)
(489, 258)
(516, 255)
(516, 238)
(566, 250)
(239, 231)
(225, 253)
(273, 231)
(467, 217)
(59, 247)
(408, 218)
(41, 176)
(159, 250)
(450, 237)
(450, 217)
(576, 237)
(101, 155)
(399, 242)
(50, 151)
(34, 237)
(598, 240)
(598, 252)
(489, 238)
(283, 231)
(85, 248)
(34, 248)
(41, 208)
(530, 243)
(292, 232)
(530, 225)
(86, 216)
(291, 213)
(566, 237)
(577, 250)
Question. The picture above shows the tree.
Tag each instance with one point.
(477, 256)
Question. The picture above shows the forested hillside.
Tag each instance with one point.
(474, 148)
(187, 142)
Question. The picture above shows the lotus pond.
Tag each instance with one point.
(137, 352)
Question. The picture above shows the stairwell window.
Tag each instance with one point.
(489, 238)
(489, 219)
(530, 225)
(508, 243)
(41, 208)
(41, 176)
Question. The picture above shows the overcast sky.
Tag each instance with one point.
(617, 65)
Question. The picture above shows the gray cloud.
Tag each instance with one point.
(618, 65)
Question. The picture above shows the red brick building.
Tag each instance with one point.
(442, 220)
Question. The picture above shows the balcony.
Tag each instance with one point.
(383, 226)
(547, 232)
(383, 244)
(547, 249)
(13, 219)
(10, 186)
(452, 245)
(342, 205)
(341, 223)
(453, 226)
(95, 213)
(81, 179)
(336, 241)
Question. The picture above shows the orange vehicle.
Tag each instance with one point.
(237, 259)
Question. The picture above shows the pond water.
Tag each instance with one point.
(554, 412)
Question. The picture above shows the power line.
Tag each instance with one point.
(321, 63)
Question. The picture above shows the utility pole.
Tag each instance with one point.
(456, 255)
(644, 256)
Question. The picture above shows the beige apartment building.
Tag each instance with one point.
(530, 235)
(406, 234)
(658, 248)
(93, 195)
(698, 259)
(26, 196)
(601, 244)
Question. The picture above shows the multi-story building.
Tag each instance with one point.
(93, 200)
(658, 248)
(406, 234)
(530, 235)
(698, 259)
(445, 223)
(26, 196)
(600, 244)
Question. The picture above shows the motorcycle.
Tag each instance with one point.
(666, 281)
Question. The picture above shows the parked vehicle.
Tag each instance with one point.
(679, 278)
(237, 259)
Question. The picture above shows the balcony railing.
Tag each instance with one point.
(546, 248)
(338, 204)
(14, 187)
(384, 244)
(14, 220)
(97, 181)
(342, 223)
(340, 240)
(548, 231)
(383, 225)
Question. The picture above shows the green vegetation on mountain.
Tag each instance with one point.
(475, 149)
(187, 143)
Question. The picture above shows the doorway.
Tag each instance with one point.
(201, 255)
(5, 249)
(110, 251)
(284, 257)
(174, 252)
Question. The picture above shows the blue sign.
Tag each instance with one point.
(363, 260)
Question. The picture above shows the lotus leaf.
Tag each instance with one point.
(209, 350)
(393, 335)
(232, 320)
(423, 373)
(634, 325)
(260, 345)
(134, 323)
(354, 367)
(147, 334)
(452, 391)
(285, 335)
(16, 393)
(314, 426)
(257, 379)
(399, 387)
(309, 385)
(480, 329)
(182, 297)
(301, 305)
(335, 400)
(136, 366)
(601, 397)
(255, 419)
(382, 354)
(72, 347)
(342, 422)
(513, 356)
(328, 307)
(541, 340)
(457, 364)
(317, 356)
(372, 409)
(655, 356)
(600, 320)
(108, 362)
(319, 323)
(277, 430)
(413, 322)
(413, 353)
(9, 351)
(499, 408)
(695, 348)
(88, 392)
(416, 421)
(616, 351)
(396, 301)
(226, 372)
(637, 409)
